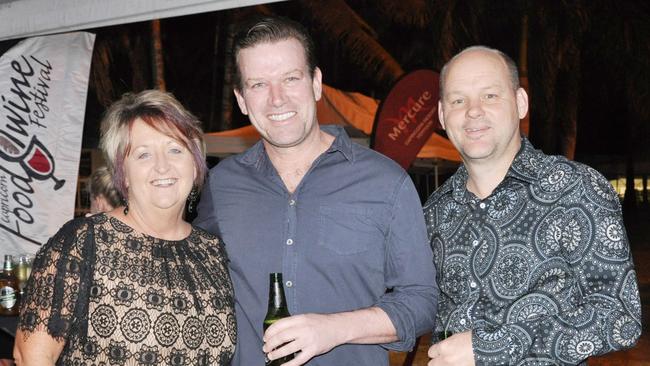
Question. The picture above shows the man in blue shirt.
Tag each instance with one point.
(341, 222)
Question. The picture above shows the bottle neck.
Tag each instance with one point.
(277, 299)
(8, 264)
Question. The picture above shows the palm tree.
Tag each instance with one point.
(337, 20)
(158, 69)
(556, 31)
(358, 30)
(620, 44)
(118, 50)
(635, 48)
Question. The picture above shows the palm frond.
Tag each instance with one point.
(100, 73)
(416, 13)
(341, 23)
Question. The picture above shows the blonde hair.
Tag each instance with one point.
(159, 110)
(101, 184)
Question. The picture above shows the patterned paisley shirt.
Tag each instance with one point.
(540, 270)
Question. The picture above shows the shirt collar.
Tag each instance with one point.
(527, 163)
(342, 142)
(524, 167)
(256, 155)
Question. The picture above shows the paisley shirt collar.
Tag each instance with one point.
(525, 167)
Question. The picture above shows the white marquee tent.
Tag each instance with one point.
(27, 18)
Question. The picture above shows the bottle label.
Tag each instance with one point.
(7, 297)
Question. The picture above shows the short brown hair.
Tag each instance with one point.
(259, 30)
(159, 110)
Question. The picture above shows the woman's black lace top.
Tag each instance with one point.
(118, 297)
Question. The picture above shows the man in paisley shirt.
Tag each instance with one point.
(533, 262)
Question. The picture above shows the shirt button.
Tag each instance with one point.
(475, 243)
(292, 202)
(289, 241)
(289, 283)
(472, 284)
(481, 205)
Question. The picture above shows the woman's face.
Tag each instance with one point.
(159, 171)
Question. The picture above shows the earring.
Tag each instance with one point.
(126, 207)
(191, 199)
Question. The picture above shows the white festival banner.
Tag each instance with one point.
(43, 88)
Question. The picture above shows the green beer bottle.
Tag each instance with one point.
(277, 310)
(9, 290)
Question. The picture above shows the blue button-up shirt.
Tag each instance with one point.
(352, 229)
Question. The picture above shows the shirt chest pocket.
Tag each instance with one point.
(348, 229)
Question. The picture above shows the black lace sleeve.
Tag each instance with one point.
(56, 295)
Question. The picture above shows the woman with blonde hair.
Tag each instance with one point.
(138, 284)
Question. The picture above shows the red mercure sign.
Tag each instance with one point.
(407, 117)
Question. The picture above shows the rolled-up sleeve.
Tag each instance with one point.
(411, 301)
